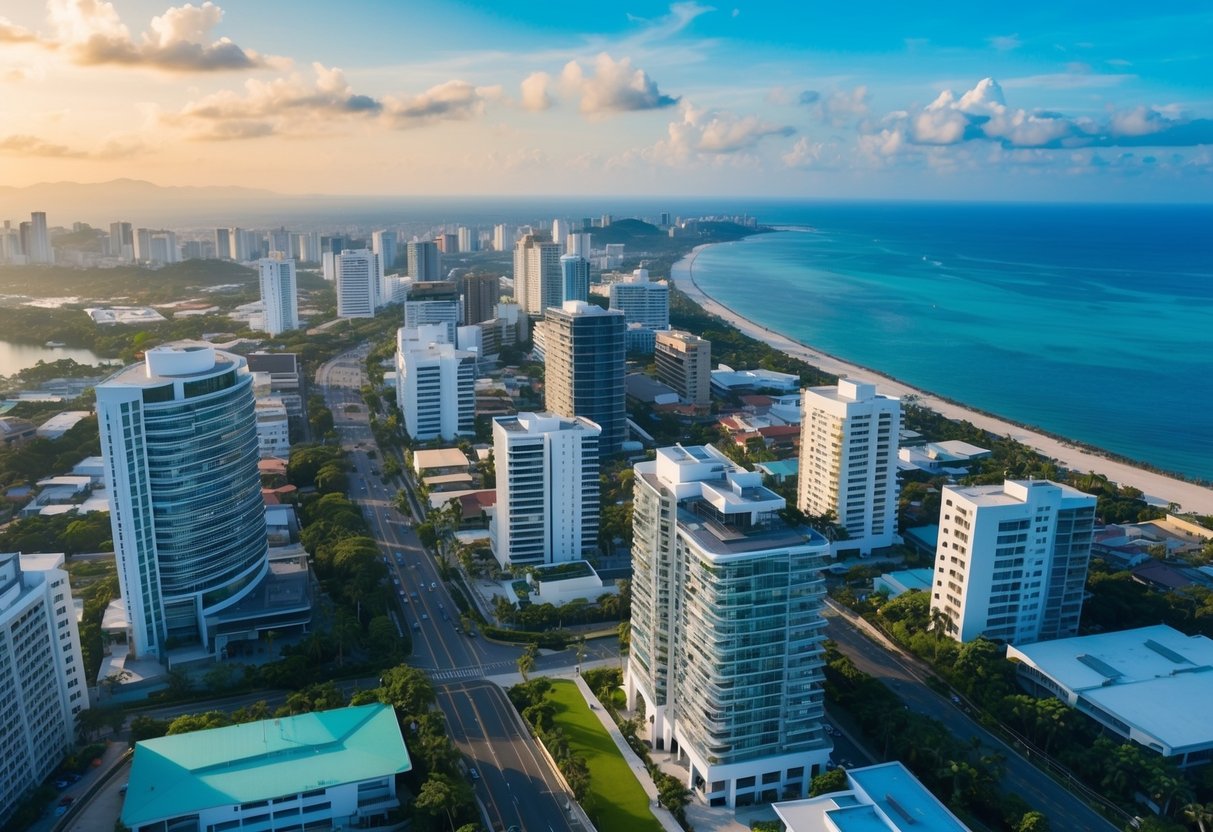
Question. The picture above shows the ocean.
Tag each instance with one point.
(1090, 322)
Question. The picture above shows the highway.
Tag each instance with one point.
(1064, 810)
(516, 785)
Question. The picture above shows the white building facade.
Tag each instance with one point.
(642, 301)
(42, 684)
(547, 488)
(538, 281)
(848, 461)
(179, 440)
(1011, 562)
(435, 385)
(358, 283)
(727, 632)
(279, 294)
(273, 429)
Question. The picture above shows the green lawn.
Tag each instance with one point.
(617, 803)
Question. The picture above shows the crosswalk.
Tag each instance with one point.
(471, 672)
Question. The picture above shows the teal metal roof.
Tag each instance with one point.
(186, 773)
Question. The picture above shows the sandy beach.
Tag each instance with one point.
(1189, 496)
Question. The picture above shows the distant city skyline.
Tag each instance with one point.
(1029, 101)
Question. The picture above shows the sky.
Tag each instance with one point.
(1107, 100)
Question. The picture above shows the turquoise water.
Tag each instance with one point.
(1093, 322)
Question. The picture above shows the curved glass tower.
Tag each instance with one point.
(179, 438)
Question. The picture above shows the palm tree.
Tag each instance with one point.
(526, 662)
(1201, 814)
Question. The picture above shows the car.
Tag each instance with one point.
(433, 586)
(61, 784)
(475, 775)
(60, 811)
(414, 596)
(416, 626)
(404, 597)
(425, 617)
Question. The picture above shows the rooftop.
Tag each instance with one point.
(1130, 674)
(439, 458)
(184, 773)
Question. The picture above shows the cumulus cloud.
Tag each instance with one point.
(838, 108)
(21, 144)
(614, 86)
(712, 133)
(536, 91)
(179, 40)
(268, 107)
(806, 154)
(12, 33)
(982, 114)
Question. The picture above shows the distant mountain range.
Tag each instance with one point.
(134, 200)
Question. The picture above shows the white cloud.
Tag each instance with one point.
(703, 134)
(614, 87)
(449, 101)
(12, 33)
(92, 33)
(806, 154)
(536, 91)
(27, 145)
(840, 108)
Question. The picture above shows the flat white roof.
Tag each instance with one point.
(1157, 680)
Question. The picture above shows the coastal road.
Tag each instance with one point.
(515, 783)
(1064, 810)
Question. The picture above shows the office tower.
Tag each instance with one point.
(537, 278)
(164, 247)
(606, 220)
(223, 243)
(584, 368)
(121, 234)
(575, 278)
(448, 243)
(1011, 563)
(435, 385)
(383, 243)
(727, 632)
(480, 295)
(42, 684)
(10, 243)
(357, 275)
(179, 440)
(848, 461)
(328, 265)
(39, 251)
(433, 302)
(579, 244)
(335, 244)
(241, 249)
(425, 264)
(469, 240)
(280, 240)
(279, 294)
(665, 218)
(684, 362)
(500, 240)
(560, 231)
(614, 255)
(143, 245)
(547, 488)
(643, 301)
(307, 247)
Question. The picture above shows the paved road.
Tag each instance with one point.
(515, 783)
(1064, 810)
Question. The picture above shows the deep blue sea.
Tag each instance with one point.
(1091, 322)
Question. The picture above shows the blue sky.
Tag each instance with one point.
(1087, 101)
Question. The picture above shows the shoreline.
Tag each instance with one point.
(1189, 496)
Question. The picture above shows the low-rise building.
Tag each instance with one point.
(325, 770)
(61, 423)
(273, 428)
(727, 381)
(1151, 685)
(901, 581)
(880, 798)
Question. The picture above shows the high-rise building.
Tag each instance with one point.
(584, 362)
(143, 245)
(643, 301)
(279, 294)
(469, 239)
(164, 247)
(435, 385)
(42, 684)
(538, 282)
(280, 241)
(560, 231)
(223, 243)
(425, 261)
(848, 461)
(357, 275)
(243, 245)
(433, 302)
(684, 362)
(480, 295)
(727, 632)
(121, 235)
(575, 277)
(40, 242)
(448, 243)
(179, 440)
(1011, 563)
(306, 247)
(501, 240)
(578, 243)
(547, 488)
(383, 243)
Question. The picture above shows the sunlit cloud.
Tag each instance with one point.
(26, 145)
(614, 86)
